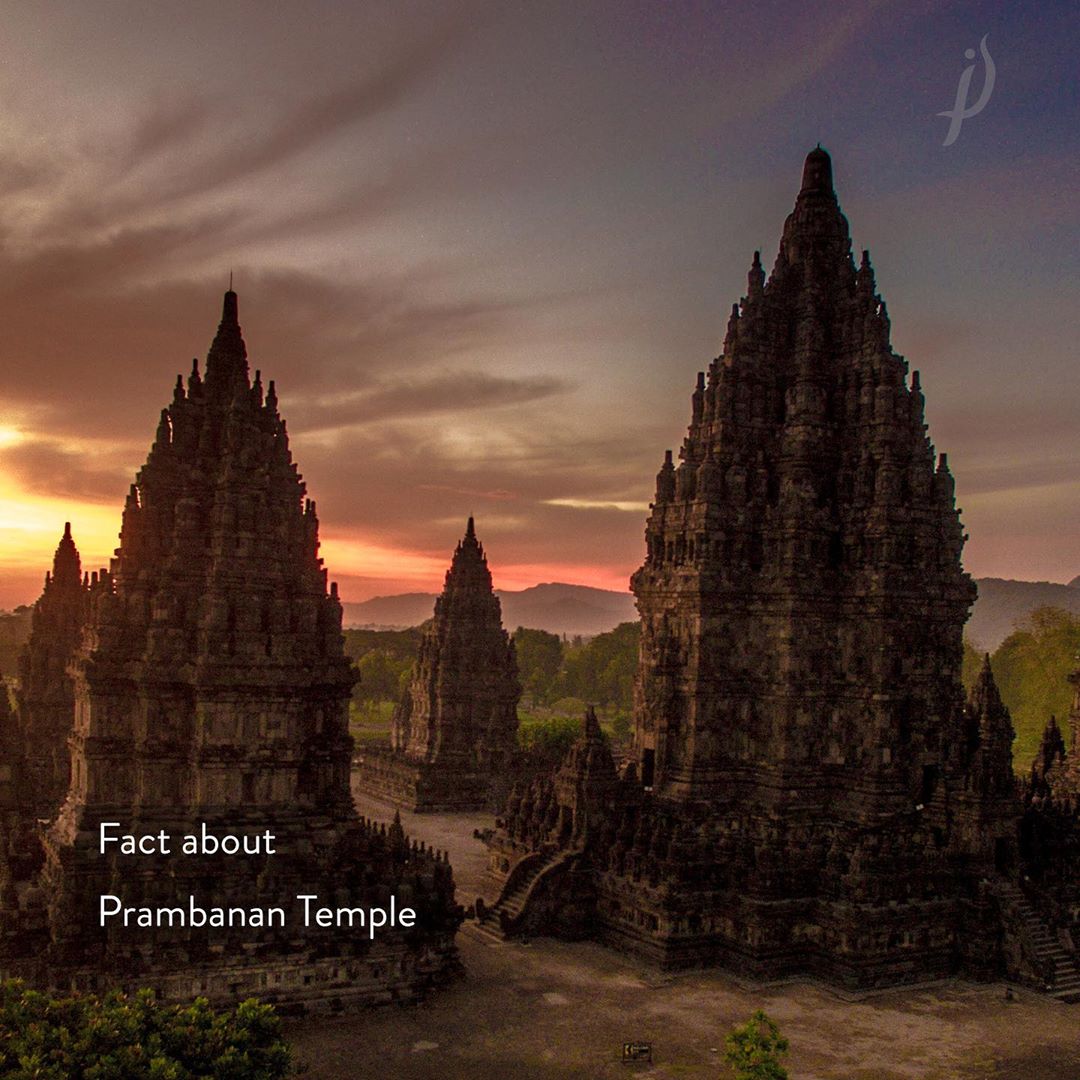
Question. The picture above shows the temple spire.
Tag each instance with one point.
(46, 697)
(230, 311)
(66, 569)
(816, 231)
(591, 725)
(755, 279)
(468, 560)
(454, 731)
(226, 363)
(985, 690)
(216, 602)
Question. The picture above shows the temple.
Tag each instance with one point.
(10, 772)
(1057, 765)
(809, 790)
(454, 732)
(46, 697)
(1050, 852)
(35, 763)
(210, 690)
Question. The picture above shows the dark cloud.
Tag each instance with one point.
(178, 151)
(1016, 476)
(91, 349)
(47, 469)
(103, 290)
(451, 391)
(414, 479)
(19, 174)
(320, 117)
(163, 126)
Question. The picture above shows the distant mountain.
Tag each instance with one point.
(578, 609)
(555, 607)
(390, 612)
(1002, 604)
(567, 609)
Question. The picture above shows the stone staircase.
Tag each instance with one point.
(1049, 951)
(492, 925)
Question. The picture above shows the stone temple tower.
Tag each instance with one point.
(211, 691)
(46, 696)
(802, 597)
(11, 764)
(462, 703)
(809, 789)
(455, 729)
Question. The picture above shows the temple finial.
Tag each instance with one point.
(230, 310)
(756, 277)
(226, 363)
(817, 171)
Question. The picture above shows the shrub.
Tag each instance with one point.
(121, 1037)
(550, 738)
(753, 1050)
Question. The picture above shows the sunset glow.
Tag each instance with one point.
(31, 527)
(478, 298)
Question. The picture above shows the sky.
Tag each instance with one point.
(483, 249)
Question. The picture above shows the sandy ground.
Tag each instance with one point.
(556, 1010)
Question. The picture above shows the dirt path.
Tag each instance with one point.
(556, 1010)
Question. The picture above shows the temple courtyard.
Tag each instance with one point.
(551, 1009)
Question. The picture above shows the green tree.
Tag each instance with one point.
(384, 661)
(622, 725)
(754, 1049)
(547, 740)
(381, 677)
(117, 1037)
(539, 658)
(1031, 668)
(400, 644)
(972, 665)
(602, 669)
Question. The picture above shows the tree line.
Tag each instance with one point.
(557, 674)
(1031, 667)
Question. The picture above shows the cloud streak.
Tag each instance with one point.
(46, 468)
